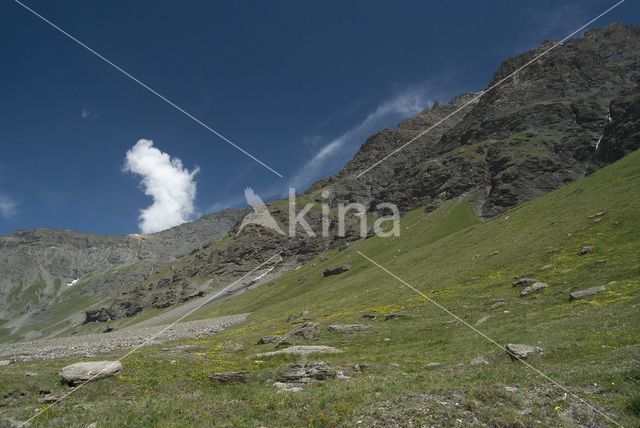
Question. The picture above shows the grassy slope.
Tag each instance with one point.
(460, 263)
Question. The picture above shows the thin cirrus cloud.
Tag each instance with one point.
(167, 181)
(401, 105)
(8, 207)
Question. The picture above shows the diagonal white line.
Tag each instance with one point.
(151, 338)
(163, 98)
(474, 99)
(489, 339)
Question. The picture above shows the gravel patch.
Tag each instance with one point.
(130, 337)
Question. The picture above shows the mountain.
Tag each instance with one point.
(569, 113)
(50, 276)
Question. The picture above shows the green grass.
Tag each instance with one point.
(590, 346)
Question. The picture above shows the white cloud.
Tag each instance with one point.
(7, 207)
(172, 187)
(401, 105)
(85, 114)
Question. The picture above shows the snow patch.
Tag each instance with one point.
(72, 283)
(598, 143)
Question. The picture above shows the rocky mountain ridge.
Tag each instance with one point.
(42, 267)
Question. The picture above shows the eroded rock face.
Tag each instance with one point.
(89, 371)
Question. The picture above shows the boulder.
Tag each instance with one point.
(93, 370)
(546, 267)
(533, 288)
(300, 350)
(48, 399)
(524, 282)
(479, 361)
(369, 316)
(518, 351)
(227, 378)
(272, 338)
(393, 317)
(483, 320)
(497, 305)
(577, 295)
(336, 270)
(303, 372)
(308, 331)
(349, 328)
(587, 249)
(5, 362)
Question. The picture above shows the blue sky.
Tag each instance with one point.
(298, 84)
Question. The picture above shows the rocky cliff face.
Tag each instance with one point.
(44, 267)
(562, 117)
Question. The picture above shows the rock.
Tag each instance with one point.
(342, 375)
(497, 305)
(31, 374)
(524, 282)
(279, 385)
(566, 271)
(478, 361)
(369, 316)
(517, 351)
(284, 341)
(511, 389)
(533, 288)
(108, 330)
(227, 378)
(393, 317)
(431, 365)
(349, 328)
(93, 370)
(601, 213)
(231, 346)
(5, 362)
(300, 350)
(272, 338)
(546, 267)
(48, 399)
(308, 330)
(601, 261)
(92, 425)
(577, 295)
(304, 372)
(484, 320)
(336, 270)
(587, 249)
(451, 322)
